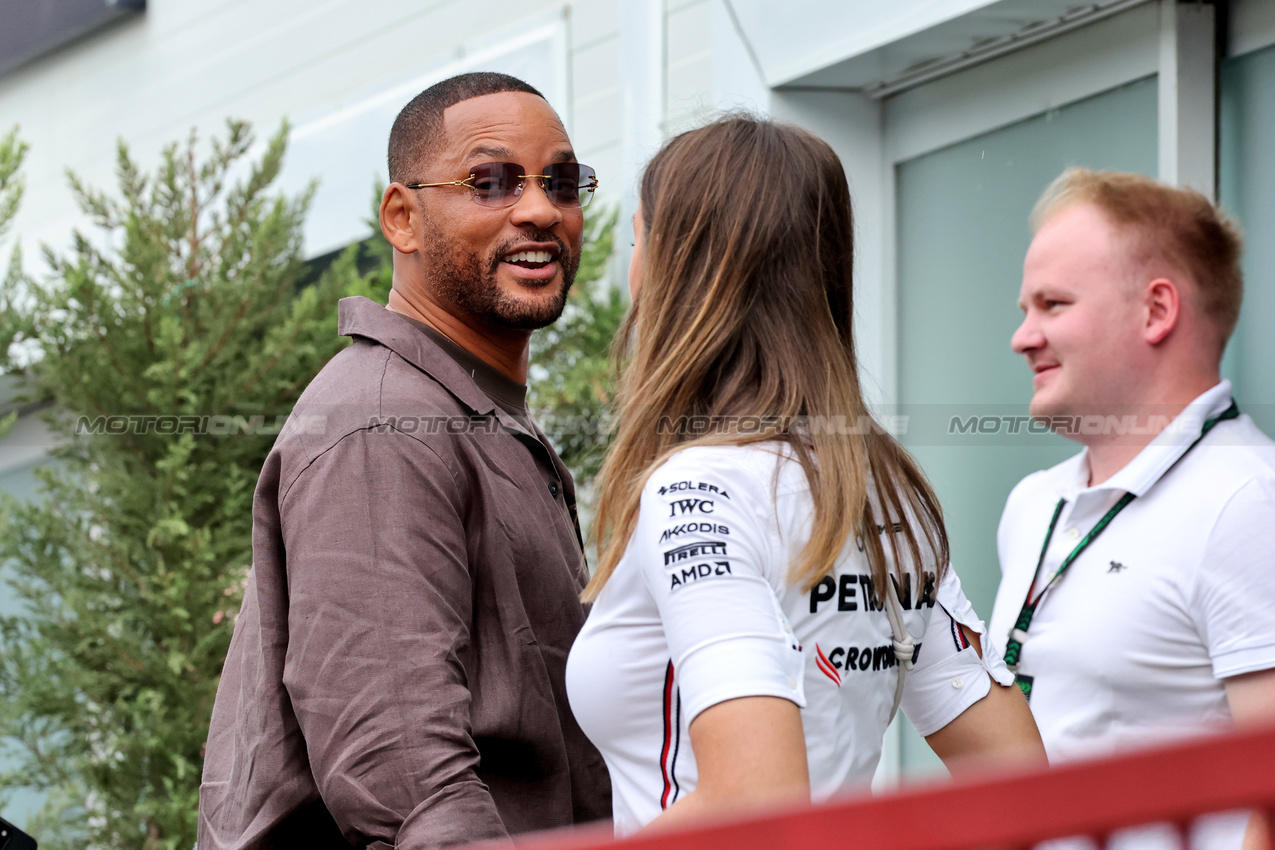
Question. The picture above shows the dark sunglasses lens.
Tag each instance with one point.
(496, 183)
(569, 184)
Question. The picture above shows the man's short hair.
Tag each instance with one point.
(419, 125)
(1166, 225)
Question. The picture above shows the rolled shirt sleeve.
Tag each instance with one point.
(949, 675)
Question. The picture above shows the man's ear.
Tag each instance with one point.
(1163, 303)
(397, 212)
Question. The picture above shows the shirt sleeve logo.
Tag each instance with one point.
(680, 507)
(694, 528)
(694, 550)
(696, 572)
(702, 486)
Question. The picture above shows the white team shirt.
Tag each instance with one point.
(1176, 594)
(699, 610)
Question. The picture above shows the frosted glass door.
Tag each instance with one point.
(962, 233)
(1246, 155)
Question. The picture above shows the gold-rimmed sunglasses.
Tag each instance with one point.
(567, 185)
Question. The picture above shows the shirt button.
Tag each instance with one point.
(958, 683)
(553, 489)
(1073, 532)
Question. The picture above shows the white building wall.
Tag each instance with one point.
(690, 95)
(595, 95)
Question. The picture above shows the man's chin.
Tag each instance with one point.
(1039, 410)
(528, 299)
(529, 321)
(1052, 414)
(532, 311)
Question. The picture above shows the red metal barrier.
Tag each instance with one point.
(1174, 784)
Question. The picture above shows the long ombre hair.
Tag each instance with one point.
(745, 315)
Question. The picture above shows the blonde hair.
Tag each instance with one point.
(745, 312)
(1178, 227)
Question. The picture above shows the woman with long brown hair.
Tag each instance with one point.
(773, 577)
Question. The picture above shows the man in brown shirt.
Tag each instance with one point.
(396, 677)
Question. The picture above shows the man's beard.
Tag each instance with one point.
(466, 281)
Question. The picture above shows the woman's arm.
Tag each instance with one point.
(996, 731)
(750, 752)
(1251, 697)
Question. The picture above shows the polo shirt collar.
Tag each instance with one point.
(1150, 465)
(362, 317)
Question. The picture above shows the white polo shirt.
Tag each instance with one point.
(1176, 594)
(699, 610)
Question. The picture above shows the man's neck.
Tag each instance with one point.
(505, 350)
(1109, 453)
(1105, 460)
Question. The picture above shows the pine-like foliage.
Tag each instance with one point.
(12, 152)
(172, 341)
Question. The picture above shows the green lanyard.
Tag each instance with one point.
(1018, 634)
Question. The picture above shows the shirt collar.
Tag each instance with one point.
(504, 390)
(363, 317)
(1141, 473)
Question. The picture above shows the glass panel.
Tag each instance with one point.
(963, 231)
(1247, 188)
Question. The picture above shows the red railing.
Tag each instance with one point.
(1175, 785)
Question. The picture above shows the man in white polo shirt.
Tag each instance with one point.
(1137, 602)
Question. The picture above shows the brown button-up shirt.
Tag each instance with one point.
(396, 676)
